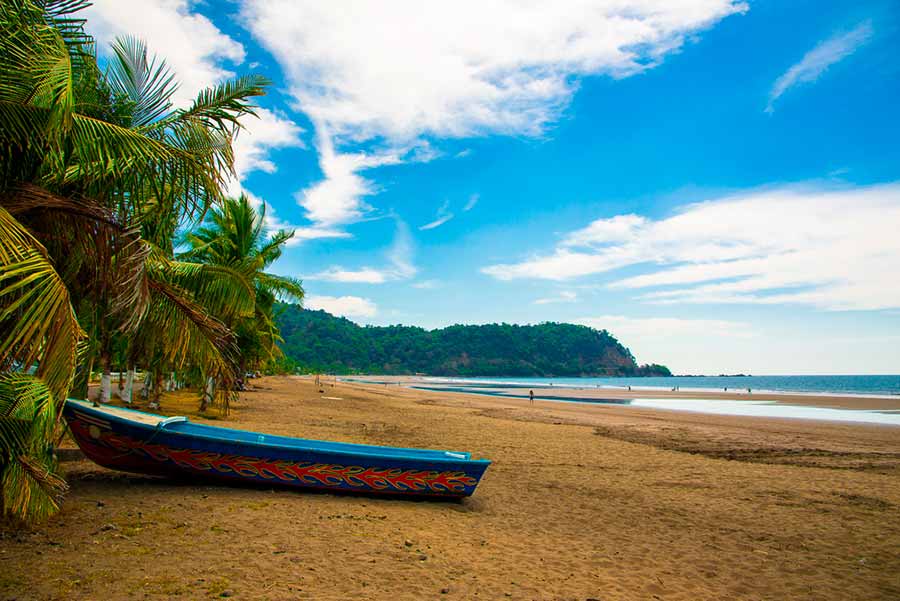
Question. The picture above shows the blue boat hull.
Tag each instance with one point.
(144, 443)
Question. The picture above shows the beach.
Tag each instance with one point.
(583, 501)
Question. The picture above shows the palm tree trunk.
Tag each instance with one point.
(125, 395)
(148, 382)
(208, 393)
(105, 384)
(157, 390)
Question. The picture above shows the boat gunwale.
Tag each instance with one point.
(86, 405)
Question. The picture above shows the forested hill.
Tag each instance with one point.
(319, 341)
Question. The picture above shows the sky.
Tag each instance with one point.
(715, 182)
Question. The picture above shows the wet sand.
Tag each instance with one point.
(834, 401)
(582, 502)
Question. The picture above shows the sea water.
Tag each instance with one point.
(872, 385)
(770, 409)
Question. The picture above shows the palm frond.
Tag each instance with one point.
(147, 82)
(220, 106)
(35, 309)
(29, 487)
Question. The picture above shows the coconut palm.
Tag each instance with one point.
(234, 237)
(85, 157)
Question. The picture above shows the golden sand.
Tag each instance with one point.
(582, 502)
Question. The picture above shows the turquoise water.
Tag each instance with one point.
(866, 385)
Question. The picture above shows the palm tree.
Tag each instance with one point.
(234, 237)
(85, 157)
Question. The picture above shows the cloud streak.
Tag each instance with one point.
(443, 216)
(790, 245)
(566, 296)
(399, 258)
(504, 68)
(344, 306)
(655, 328)
(819, 59)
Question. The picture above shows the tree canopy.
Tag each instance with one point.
(320, 342)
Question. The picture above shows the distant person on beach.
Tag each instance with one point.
(749, 391)
(629, 389)
(531, 396)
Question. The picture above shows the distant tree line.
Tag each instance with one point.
(316, 341)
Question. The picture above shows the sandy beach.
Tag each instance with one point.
(582, 502)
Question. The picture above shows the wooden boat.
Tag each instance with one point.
(145, 443)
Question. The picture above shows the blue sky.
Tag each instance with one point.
(715, 182)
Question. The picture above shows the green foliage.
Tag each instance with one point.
(97, 172)
(317, 341)
(234, 238)
(30, 489)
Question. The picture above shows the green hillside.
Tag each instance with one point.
(319, 341)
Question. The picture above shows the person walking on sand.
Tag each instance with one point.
(531, 396)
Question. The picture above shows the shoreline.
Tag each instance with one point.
(595, 394)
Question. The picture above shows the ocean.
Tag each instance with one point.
(877, 385)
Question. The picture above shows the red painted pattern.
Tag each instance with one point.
(298, 473)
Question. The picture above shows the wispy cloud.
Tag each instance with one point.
(399, 259)
(274, 223)
(427, 284)
(199, 52)
(267, 131)
(470, 204)
(817, 60)
(666, 327)
(382, 87)
(791, 245)
(338, 199)
(443, 216)
(345, 306)
(565, 296)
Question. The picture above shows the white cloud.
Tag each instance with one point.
(470, 204)
(197, 51)
(405, 69)
(649, 328)
(345, 306)
(268, 130)
(442, 217)
(566, 296)
(338, 199)
(427, 284)
(399, 258)
(274, 223)
(834, 249)
(366, 275)
(817, 60)
(192, 45)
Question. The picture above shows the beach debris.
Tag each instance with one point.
(445, 590)
(423, 557)
(408, 543)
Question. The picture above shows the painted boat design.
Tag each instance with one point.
(145, 443)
